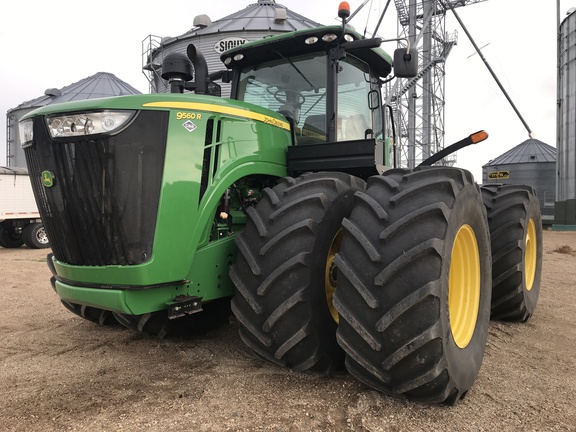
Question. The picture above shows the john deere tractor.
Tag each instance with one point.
(284, 198)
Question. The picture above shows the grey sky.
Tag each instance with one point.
(46, 44)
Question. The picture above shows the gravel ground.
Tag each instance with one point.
(59, 372)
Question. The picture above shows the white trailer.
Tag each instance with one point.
(20, 221)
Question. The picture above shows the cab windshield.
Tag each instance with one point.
(296, 87)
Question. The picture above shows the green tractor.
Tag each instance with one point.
(284, 198)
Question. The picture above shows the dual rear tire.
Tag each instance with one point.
(410, 256)
(516, 231)
(414, 292)
(285, 275)
(33, 235)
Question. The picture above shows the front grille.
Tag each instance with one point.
(103, 205)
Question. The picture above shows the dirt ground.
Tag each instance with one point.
(60, 372)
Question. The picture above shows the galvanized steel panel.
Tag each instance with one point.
(567, 111)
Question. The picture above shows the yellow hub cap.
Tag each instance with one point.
(331, 274)
(530, 255)
(464, 286)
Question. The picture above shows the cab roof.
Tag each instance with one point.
(299, 43)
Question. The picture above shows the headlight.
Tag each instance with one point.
(90, 123)
(26, 132)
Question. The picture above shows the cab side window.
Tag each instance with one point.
(359, 107)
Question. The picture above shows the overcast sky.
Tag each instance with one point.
(49, 44)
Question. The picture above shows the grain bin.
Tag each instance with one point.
(566, 127)
(101, 84)
(256, 21)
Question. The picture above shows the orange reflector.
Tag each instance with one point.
(479, 136)
(344, 10)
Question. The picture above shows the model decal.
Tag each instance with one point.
(237, 112)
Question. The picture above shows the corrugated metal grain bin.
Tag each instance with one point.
(101, 84)
(256, 21)
(566, 166)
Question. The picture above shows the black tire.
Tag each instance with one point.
(516, 231)
(92, 314)
(9, 238)
(401, 325)
(283, 274)
(34, 236)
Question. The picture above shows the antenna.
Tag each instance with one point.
(381, 17)
(358, 10)
(478, 50)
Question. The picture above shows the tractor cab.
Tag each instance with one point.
(327, 83)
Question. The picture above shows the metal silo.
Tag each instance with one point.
(566, 165)
(256, 21)
(531, 163)
(101, 84)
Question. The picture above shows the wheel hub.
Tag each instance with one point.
(331, 274)
(464, 286)
(531, 254)
(41, 236)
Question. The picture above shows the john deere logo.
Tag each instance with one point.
(47, 178)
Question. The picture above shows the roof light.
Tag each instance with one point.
(348, 37)
(330, 37)
(227, 61)
(311, 40)
(344, 10)
(238, 57)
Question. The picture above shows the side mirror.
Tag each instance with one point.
(406, 62)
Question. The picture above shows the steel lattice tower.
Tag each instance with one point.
(419, 102)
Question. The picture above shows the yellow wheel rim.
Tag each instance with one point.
(331, 274)
(464, 286)
(530, 255)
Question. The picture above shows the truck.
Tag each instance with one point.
(20, 221)
(284, 203)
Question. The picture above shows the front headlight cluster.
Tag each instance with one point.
(90, 123)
